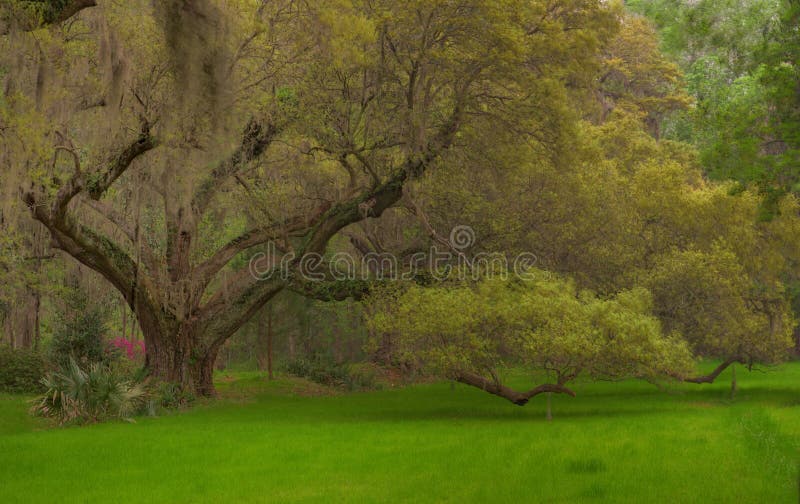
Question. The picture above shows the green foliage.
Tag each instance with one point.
(333, 374)
(21, 370)
(80, 330)
(708, 298)
(168, 396)
(617, 217)
(75, 395)
(542, 322)
(319, 370)
(364, 375)
(636, 74)
(740, 59)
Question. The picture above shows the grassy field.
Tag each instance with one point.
(615, 442)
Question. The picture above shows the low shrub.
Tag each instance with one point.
(75, 395)
(318, 370)
(21, 370)
(333, 374)
(364, 375)
(128, 349)
(169, 396)
(79, 332)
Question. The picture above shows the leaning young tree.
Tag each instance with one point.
(470, 331)
(171, 141)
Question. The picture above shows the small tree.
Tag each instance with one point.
(79, 331)
(709, 298)
(544, 323)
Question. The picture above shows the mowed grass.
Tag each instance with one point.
(615, 442)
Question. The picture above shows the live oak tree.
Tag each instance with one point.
(709, 298)
(142, 134)
(542, 323)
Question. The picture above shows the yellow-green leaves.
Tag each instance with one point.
(542, 323)
(710, 299)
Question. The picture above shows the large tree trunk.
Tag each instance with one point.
(173, 355)
(167, 357)
(202, 372)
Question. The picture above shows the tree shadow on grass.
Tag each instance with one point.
(454, 405)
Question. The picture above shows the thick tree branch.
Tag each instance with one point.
(252, 238)
(87, 245)
(255, 140)
(709, 378)
(118, 220)
(71, 9)
(496, 388)
(27, 19)
(330, 290)
(221, 319)
(97, 182)
(374, 202)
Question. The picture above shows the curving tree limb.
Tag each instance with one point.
(709, 378)
(494, 387)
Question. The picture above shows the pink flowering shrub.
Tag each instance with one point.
(133, 350)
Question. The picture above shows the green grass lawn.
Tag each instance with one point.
(615, 442)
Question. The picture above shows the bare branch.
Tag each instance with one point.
(494, 387)
(709, 378)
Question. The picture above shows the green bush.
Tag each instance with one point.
(364, 375)
(330, 373)
(21, 370)
(169, 396)
(319, 370)
(79, 332)
(74, 395)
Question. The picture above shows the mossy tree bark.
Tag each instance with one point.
(183, 327)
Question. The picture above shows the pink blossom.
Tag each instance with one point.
(132, 349)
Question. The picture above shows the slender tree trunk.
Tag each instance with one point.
(264, 342)
(269, 342)
(733, 381)
(797, 341)
(549, 407)
(30, 320)
(124, 319)
(37, 328)
(261, 336)
(337, 340)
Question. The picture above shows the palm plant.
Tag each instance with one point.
(77, 395)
